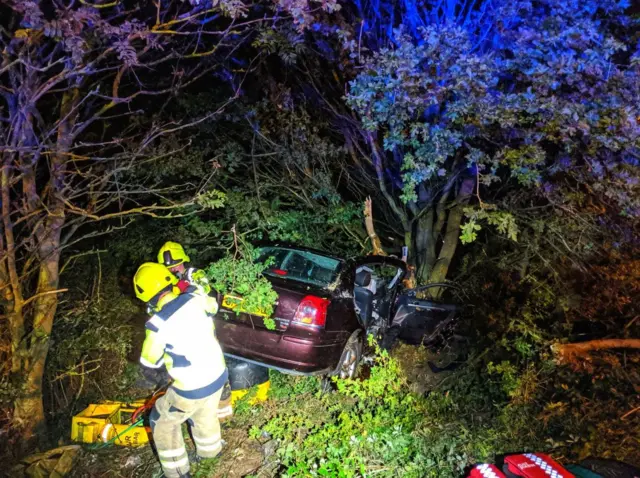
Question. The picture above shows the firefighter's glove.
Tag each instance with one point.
(211, 305)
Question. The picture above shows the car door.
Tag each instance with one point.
(424, 314)
(380, 289)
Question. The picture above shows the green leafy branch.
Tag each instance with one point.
(504, 222)
(238, 276)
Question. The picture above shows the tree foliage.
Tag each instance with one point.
(238, 277)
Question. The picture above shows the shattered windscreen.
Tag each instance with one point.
(299, 265)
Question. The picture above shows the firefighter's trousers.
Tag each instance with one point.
(170, 412)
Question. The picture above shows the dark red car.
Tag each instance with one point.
(326, 305)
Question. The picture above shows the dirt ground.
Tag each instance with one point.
(414, 360)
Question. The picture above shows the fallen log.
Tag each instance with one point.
(567, 352)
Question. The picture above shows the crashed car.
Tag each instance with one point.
(326, 307)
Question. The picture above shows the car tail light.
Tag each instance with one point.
(312, 311)
(279, 272)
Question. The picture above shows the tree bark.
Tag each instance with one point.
(452, 233)
(13, 295)
(29, 408)
(425, 246)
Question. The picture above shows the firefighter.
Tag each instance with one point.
(172, 255)
(180, 335)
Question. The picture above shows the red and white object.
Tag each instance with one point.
(536, 465)
(486, 471)
(312, 312)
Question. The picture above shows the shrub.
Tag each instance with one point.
(379, 426)
(91, 346)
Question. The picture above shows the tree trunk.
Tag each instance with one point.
(29, 408)
(452, 233)
(376, 245)
(13, 298)
(425, 246)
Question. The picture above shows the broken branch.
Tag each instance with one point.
(568, 352)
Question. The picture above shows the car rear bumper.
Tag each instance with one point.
(288, 371)
(293, 354)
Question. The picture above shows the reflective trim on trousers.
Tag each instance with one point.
(214, 447)
(207, 440)
(208, 447)
(176, 452)
(170, 465)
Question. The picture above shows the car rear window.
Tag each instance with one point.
(299, 265)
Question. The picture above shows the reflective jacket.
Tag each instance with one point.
(181, 336)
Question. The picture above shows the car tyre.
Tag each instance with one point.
(350, 359)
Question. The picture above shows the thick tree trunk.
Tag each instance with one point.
(425, 246)
(452, 233)
(429, 231)
(29, 408)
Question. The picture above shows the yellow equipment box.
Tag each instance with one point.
(102, 422)
(260, 396)
(233, 302)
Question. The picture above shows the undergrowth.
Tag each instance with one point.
(381, 427)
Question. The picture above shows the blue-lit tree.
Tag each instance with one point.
(539, 96)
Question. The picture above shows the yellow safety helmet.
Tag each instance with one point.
(152, 278)
(172, 254)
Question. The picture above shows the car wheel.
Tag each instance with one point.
(350, 359)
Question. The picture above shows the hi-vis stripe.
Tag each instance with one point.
(486, 471)
(148, 364)
(171, 465)
(175, 458)
(208, 444)
(546, 467)
(176, 452)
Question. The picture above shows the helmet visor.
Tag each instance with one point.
(169, 261)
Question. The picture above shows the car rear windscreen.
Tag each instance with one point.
(299, 265)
